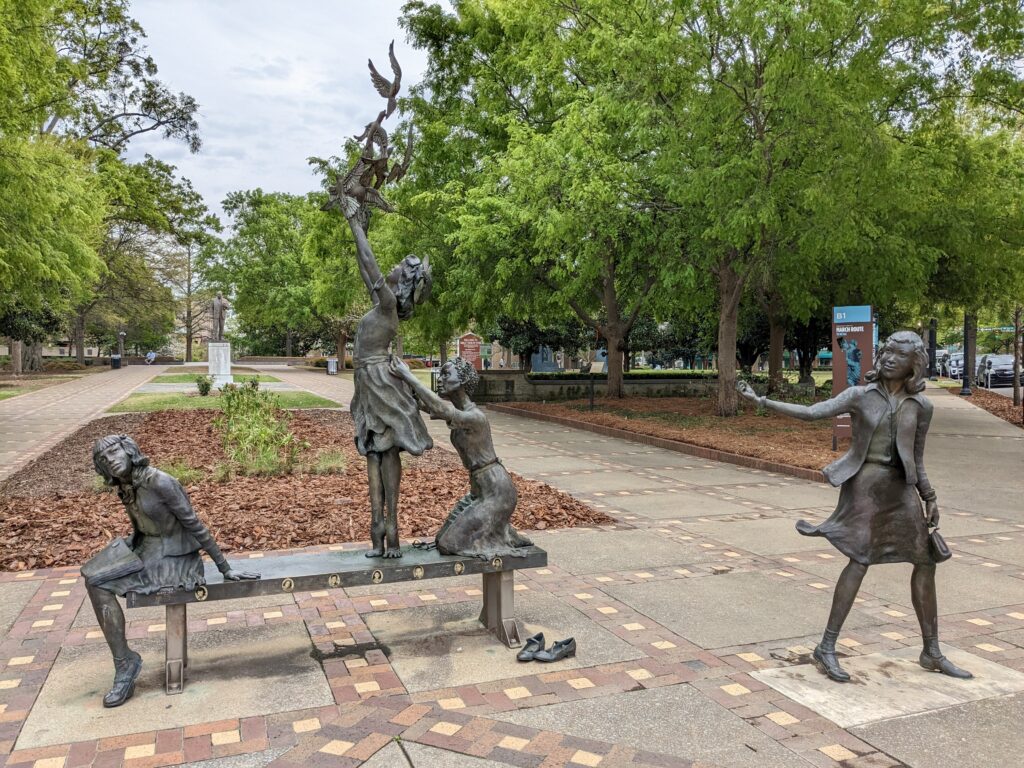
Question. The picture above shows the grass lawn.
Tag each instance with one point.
(145, 402)
(189, 378)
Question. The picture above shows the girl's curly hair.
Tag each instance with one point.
(467, 374)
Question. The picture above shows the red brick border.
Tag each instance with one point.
(712, 454)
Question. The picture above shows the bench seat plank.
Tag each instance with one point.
(308, 571)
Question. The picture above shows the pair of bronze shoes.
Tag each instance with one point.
(533, 649)
(829, 664)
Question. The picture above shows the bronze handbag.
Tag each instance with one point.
(937, 546)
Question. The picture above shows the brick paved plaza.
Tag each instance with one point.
(694, 613)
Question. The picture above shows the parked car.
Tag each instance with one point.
(954, 365)
(995, 371)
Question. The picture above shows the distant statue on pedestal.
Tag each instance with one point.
(220, 313)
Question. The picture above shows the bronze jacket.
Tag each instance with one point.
(162, 499)
(867, 407)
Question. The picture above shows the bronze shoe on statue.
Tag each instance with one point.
(830, 664)
(126, 672)
(943, 665)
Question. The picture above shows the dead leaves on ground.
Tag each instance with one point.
(50, 514)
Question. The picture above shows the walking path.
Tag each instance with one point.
(36, 421)
(694, 614)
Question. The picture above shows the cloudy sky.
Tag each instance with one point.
(276, 82)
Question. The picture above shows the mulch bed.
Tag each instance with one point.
(998, 405)
(772, 437)
(52, 515)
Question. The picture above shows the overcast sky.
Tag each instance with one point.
(276, 82)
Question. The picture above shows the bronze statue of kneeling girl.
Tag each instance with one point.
(479, 524)
(879, 518)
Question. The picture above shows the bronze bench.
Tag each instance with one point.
(330, 570)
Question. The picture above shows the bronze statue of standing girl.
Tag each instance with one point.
(879, 517)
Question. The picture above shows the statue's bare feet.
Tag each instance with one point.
(393, 552)
(376, 552)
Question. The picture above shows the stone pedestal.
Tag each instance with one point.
(219, 355)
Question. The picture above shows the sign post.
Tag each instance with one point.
(853, 354)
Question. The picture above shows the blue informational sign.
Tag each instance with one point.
(851, 315)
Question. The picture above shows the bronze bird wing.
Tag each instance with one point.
(374, 198)
(387, 88)
(398, 170)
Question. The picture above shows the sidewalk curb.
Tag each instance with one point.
(814, 475)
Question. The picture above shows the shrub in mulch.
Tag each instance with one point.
(52, 513)
(998, 405)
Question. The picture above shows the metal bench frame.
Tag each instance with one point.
(309, 571)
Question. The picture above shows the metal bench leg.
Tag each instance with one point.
(499, 606)
(176, 658)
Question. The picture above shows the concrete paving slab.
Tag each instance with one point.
(604, 482)
(87, 616)
(656, 458)
(1003, 551)
(252, 760)
(731, 609)
(890, 684)
(794, 496)
(961, 588)
(1013, 636)
(980, 734)
(675, 720)
(681, 504)
(954, 525)
(445, 646)
(14, 597)
(582, 552)
(721, 474)
(234, 673)
(764, 536)
(552, 463)
(424, 756)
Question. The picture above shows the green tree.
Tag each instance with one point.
(262, 264)
(110, 93)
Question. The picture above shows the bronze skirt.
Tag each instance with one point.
(385, 413)
(878, 519)
(159, 571)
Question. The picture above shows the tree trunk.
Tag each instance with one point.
(776, 346)
(443, 358)
(616, 341)
(627, 356)
(730, 287)
(32, 357)
(288, 344)
(16, 366)
(188, 334)
(78, 332)
(1018, 317)
(341, 341)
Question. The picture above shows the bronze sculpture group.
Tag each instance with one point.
(879, 517)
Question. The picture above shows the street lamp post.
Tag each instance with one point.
(933, 332)
(965, 389)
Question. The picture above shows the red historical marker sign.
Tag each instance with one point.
(469, 349)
